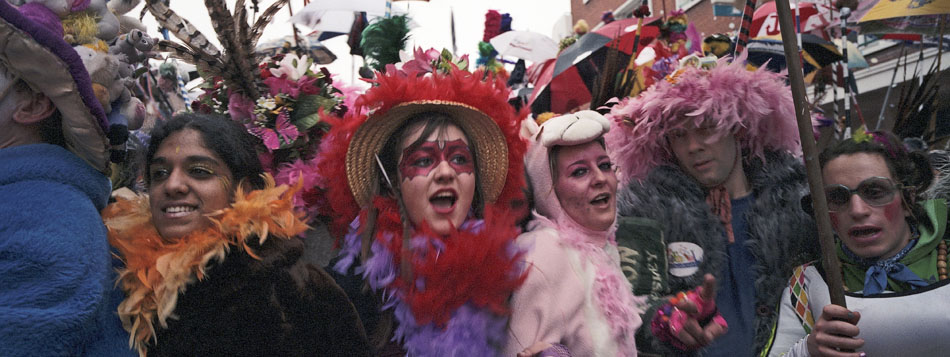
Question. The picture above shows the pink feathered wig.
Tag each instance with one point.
(754, 105)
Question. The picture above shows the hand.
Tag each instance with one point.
(690, 333)
(834, 331)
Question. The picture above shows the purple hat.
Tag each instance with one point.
(32, 49)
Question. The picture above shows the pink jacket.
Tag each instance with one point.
(575, 293)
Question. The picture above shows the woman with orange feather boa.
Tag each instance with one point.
(425, 181)
(212, 265)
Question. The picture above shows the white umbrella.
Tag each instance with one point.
(531, 46)
(336, 15)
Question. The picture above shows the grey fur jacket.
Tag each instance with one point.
(780, 234)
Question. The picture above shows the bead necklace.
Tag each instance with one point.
(942, 260)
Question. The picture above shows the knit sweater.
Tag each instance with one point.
(55, 270)
(780, 235)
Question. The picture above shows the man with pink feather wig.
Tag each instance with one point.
(712, 154)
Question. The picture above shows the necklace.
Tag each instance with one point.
(942, 260)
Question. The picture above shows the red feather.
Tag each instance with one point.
(488, 95)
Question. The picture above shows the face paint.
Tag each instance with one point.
(420, 161)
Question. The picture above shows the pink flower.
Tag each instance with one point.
(283, 133)
(422, 63)
(240, 108)
(282, 84)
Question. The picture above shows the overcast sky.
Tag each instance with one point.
(432, 19)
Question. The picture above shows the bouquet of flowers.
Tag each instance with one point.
(285, 115)
(279, 99)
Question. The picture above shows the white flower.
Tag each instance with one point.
(292, 66)
(266, 103)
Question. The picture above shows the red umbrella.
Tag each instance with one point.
(624, 31)
(558, 94)
(813, 17)
(565, 83)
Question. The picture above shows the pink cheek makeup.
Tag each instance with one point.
(893, 211)
(414, 164)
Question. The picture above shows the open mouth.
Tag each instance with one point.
(601, 199)
(443, 201)
(863, 232)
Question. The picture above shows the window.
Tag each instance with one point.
(686, 4)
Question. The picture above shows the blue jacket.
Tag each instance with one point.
(56, 274)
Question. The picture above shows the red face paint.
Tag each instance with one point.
(894, 211)
(421, 160)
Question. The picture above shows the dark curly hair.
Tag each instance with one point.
(910, 169)
(226, 138)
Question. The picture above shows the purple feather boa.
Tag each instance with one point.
(470, 331)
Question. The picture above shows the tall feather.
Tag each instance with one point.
(205, 63)
(182, 29)
(264, 20)
(242, 28)
(238, 70)
(383, 39)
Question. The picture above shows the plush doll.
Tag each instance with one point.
(133, 47)
(126, 23)
(107, 23)
(110, 88)
(60, 7)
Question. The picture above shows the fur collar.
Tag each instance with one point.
(458, 303)
(156, 270)
(781, 235)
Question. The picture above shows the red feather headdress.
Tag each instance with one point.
(488, 95)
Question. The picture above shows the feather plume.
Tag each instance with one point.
(383, 39)
(265, 19)
(755, 106)
(156, 270)
(203, 61)
(182, 29)
(242, 28)
(238, 70)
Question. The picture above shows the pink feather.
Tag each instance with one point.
(757, 105)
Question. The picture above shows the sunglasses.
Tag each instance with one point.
(875, 191)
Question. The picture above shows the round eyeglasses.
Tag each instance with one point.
(875, 191)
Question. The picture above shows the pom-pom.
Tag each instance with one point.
(581, 27)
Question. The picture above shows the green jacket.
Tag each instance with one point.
(922, 259)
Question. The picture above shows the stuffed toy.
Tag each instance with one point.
(60, 7)
(110, 88)
(126, 23)
(108, 24)
(133, 47)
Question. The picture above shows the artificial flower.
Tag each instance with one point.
(292, 66)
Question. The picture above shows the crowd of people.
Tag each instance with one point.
(676, 222)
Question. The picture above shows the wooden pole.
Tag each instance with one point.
(845, 13)
(810, 149)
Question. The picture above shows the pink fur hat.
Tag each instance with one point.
(754, 105)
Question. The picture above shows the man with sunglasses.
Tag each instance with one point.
(711, 155)
(892, 249)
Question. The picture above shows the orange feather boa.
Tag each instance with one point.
(156, 269)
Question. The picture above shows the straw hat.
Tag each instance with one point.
(489, 141)
(32, 49)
